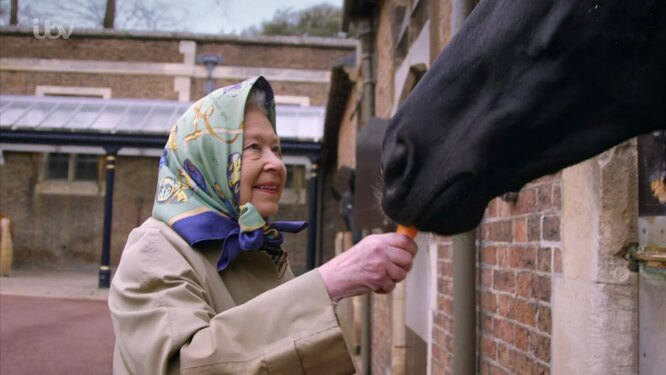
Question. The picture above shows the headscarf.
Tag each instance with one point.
(198, 185)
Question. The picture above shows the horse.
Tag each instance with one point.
(524, 89)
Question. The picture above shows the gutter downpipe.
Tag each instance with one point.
(367, 111)
(464, 262)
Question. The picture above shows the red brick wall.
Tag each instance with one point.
(64, 231)
(318, 92)
(86, 48)
(385, 63)
(284, 56)
(520, 252)
(442, 334)
(122, 86)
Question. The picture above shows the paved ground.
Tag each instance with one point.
(54, 323)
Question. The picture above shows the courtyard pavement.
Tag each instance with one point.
(54, 323)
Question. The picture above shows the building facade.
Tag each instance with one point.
(131, 84)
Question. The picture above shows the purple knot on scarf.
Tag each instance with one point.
(212, 226)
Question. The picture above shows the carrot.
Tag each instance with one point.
(407, 231)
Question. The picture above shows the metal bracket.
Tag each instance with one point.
(651, 256)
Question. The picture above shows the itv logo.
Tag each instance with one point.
(50, 31)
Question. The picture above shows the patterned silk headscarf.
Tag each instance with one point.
(198, 186)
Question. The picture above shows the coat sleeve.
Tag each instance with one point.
(164, 324)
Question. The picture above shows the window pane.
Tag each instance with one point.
(108, 119)
(85, 115)
(58, 117)
(86, 167)
(58, 166)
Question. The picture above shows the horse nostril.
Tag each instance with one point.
(396, 168)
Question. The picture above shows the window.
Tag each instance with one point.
(86, 167)
(71, 167)
(57, 167)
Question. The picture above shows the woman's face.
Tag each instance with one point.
(263, 173)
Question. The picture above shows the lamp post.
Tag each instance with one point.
(210, 60)
(104, 268)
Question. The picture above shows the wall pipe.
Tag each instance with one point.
(464, 261)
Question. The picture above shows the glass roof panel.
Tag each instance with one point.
(158, 121)
(108, 119)
(58, 118)
(13, 112)
(37, 114)
(4, 103)
(85, 116)
(133, 116)
(132, 121)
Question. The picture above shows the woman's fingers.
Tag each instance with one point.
(387, 287)
(375, 264)
(400, 257)
(395, 273)
(400, 241)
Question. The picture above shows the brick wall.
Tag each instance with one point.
(134, 190)
(316, 91)
(385, 63)
(285, 56)
(442, 334)
(64, 231)
(122, 86)
(520, 252)
(295, 244)
(86, 48)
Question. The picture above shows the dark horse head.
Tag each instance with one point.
(524, 89)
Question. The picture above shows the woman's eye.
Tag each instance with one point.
(277, 150)
(252, 147)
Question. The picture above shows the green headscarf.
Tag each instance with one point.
(199, 175)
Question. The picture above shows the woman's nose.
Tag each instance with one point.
(272, 161)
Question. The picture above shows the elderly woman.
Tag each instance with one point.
(203, 286)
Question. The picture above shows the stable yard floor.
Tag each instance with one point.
(54, 323)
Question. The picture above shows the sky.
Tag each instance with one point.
(241, 14)
(198, 16)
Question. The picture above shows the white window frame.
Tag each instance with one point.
(301, 101)
(99, 92)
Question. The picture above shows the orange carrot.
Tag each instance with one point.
(407, 231)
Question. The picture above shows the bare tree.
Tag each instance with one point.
(119, 14)
(150, 15)
(13, 13)
(110, 14)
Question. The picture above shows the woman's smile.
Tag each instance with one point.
(269, 189)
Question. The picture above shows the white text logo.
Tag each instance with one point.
(58, 31)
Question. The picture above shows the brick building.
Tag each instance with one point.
(551, 294)
(97, 84)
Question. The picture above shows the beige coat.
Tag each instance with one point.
(174, 313)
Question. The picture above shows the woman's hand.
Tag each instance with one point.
(375, 264)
